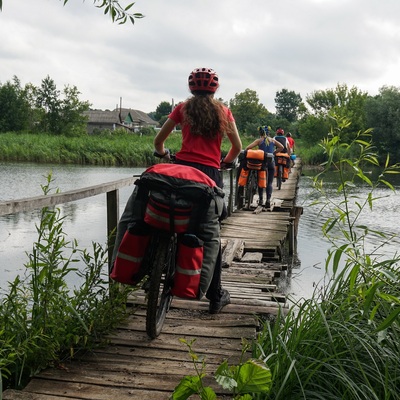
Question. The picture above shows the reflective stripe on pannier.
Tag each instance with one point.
(188, 267)
(166, 212)
(126, 268)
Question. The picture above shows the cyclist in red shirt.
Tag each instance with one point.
(204, 121)
(290, 139)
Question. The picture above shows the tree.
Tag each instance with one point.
(287, 104)
(162, 110)
(47, 101)
(383, 115)
(72, 120)
(340, 102)
(113, 8)
(57, 115)
(248, 111)
(14, 107)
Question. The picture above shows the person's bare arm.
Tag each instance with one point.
(161, 136)
(236, 143)
(254, 144)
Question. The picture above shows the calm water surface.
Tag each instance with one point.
(86, 220)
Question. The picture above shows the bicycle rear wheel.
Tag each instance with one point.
(240, 197)
(159, 297)
(251, 188)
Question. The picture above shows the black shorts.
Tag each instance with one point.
(211, 172)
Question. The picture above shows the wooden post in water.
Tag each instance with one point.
(112, 222)
(295, 214)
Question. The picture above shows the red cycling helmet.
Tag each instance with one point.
(204, 79)
(280, 131)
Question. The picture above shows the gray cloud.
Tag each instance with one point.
(301, 45)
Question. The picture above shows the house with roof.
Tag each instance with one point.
(125, 118)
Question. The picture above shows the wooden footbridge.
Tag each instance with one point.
(134, 367)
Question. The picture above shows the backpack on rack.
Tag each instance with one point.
(282, 159)
(253, 160)
(183, 200)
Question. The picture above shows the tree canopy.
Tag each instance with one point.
(44, 108)
(248, 111)
(287, 104)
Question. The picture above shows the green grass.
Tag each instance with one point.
(117, 150)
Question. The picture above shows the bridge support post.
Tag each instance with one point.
(112, 222)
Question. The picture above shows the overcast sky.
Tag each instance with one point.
(263, 45)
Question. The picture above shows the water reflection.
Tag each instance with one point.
(309, 270)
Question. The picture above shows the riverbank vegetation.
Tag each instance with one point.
(46, 110)
(61, 306)
(117, 149)
(343, 342)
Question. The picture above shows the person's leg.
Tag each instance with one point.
(218, 296)
(270, 179)
(260, 196)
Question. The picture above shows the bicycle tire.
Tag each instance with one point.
(279, 177)
(240, 197)
(159, 297)
(251, 188)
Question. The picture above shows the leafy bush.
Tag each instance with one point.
(42, 319)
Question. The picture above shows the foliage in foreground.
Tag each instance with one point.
(249, 376)
(113, 8)
(343, 343)
(42, 319)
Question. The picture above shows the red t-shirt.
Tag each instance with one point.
(196, 148)
(291, 142)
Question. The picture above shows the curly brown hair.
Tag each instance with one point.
(205, 115)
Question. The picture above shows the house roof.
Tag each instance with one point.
(111, 117)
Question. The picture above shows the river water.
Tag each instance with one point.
(86, 219)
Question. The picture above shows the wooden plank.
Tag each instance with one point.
(233, 249)
(252, 257)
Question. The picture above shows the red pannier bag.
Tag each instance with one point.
(188, 267)
(132, 249)
(166, 212)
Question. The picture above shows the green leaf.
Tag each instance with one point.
(254, 377)
(188, 386)
(224, 377)
(208, 394)
(388, 321)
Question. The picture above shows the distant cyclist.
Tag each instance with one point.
(268, 145)
(281, 138)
